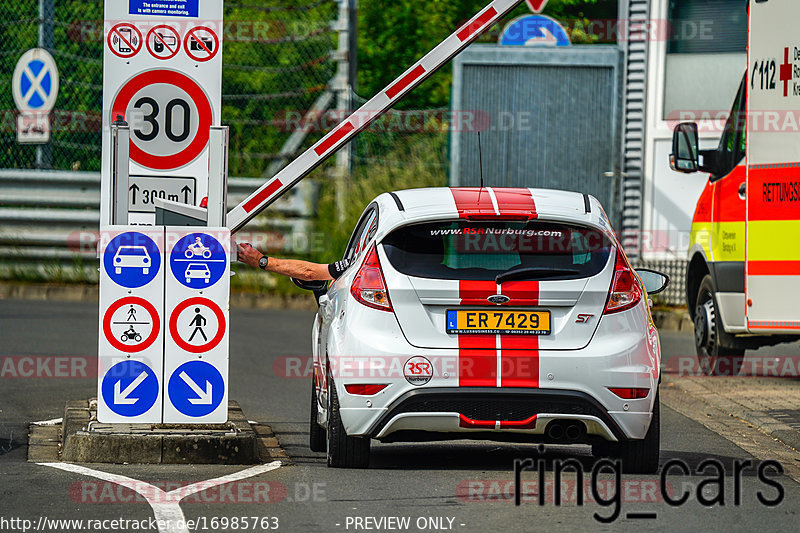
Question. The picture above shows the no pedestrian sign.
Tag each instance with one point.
(197, 325)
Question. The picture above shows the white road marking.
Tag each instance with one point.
(51, 422)
(166, 505)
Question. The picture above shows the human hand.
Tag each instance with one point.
(247, 254)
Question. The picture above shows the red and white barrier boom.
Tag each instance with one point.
(367, 114)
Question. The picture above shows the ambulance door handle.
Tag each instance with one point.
(743, 191)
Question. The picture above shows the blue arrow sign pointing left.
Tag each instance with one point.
(130, 388)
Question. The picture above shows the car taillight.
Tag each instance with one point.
(625, 291)
(364, 390)
(369, 287)
(631, 394)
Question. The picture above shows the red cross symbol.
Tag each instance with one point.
(786, 72)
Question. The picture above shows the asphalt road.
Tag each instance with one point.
(443, 486)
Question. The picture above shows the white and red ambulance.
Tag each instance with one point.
(743, 279)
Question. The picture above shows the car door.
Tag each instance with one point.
(728, 214)
(330, 303)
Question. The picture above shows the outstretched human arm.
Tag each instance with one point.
(302, 270)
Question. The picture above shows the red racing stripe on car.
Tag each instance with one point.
(472, 201)
(477, 364)
(477, 354)
(515, 201)
(476, 292)
(519, 354)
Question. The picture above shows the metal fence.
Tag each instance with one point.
(49, 223)
(277, 61)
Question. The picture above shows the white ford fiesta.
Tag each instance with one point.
(486, 313)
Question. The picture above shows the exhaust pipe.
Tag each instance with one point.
(555, 430)
(566, 430)
(574, 431)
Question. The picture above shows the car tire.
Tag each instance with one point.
(637, 456)
(714, 359)
(316, 433)
(145, 271)
(343, 451)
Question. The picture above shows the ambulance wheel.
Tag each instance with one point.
(317, 436)
(343, 451)
(714, 359)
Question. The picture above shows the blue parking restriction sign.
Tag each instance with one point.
(198, 261)
(132, 260)
(130, 388)
(35, 82)
(196, 388)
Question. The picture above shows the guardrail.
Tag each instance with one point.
(49, 222)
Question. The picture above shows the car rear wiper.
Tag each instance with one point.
(534, 273)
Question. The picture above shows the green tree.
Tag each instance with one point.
(395, 33)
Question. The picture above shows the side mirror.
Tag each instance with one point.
(654, 282)
(685, 156)
(319, 288)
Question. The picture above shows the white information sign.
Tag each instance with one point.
(162, 72)
(131, 344)
(197, 325)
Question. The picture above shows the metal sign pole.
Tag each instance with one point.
(218, 176)
(120, 160)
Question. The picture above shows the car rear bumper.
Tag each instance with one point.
(568, 385)
(476, 410)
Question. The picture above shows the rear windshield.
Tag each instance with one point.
(483, 250)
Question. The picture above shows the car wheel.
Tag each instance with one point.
(145, 271)
(118, 270)
(343, 451)
(714, 359)
(316, 440)
(637, 456)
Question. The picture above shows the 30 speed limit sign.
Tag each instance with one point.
(169, 115)
(162, 73)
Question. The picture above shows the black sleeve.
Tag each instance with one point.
(338, 268)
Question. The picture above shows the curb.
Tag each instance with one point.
(81, 439)
(757, 419)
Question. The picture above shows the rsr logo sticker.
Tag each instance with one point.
(418, 371)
